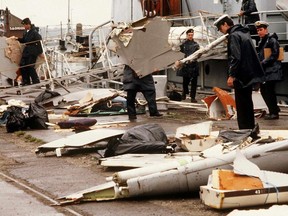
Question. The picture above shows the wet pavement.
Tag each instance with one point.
(24, 204)
(51, 177)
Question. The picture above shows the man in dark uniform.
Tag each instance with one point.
(244, 71)
(189, 71)
(133, 84)
(247, 8)
(272, 68)
(31, 38)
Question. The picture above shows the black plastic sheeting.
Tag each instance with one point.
(232, 136)
(37, 116)
(45, 95)
(143, 139)
(18, 118)
(240, 135)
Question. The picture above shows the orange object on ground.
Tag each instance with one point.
(228, 180)
(226, 100)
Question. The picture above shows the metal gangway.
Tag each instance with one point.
(62, 69)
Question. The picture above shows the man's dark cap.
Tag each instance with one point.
(26, 21)
(190, 31)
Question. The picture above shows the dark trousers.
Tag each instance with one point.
(185, 85)
(28, 71)
(150, 96)
(268, 93)
(244, 107)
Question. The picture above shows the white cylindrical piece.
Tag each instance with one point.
(123, 176)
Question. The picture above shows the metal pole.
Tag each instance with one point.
(48, 68)
(90, 42)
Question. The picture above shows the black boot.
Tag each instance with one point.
(255, 132)
(183, 96)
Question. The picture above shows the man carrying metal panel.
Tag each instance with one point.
(32, 50)
(133, 84)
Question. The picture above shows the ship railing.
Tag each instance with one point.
(268, 16)
(102, 44)
(279, 26)
(205, 20)
(207, 33)
(97, 67)
(208, 30)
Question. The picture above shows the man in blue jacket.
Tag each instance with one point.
(244, 70)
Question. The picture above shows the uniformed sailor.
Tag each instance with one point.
(272, 67)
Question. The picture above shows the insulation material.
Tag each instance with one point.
(13, 51)
(228, 180)
(8, 67)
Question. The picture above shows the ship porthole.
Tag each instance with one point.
(207, 69)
